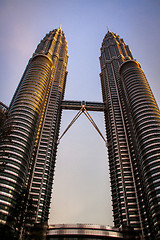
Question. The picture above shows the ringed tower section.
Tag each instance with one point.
(133, 133)
(36, 102)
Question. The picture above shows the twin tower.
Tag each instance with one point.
(132, 120)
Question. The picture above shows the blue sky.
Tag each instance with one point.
(81, 191)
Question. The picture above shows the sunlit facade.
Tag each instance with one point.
(133, 133)
(34, 113)
(132, 120)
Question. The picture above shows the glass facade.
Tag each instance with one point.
(34, 114)
(132, 126)
(132, 122)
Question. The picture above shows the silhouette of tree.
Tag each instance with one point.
(5, 129)
(23, 213)
(7, 233)
(18, 225)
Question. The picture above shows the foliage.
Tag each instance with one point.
(5, 129)
(7, 233)
(18, 224)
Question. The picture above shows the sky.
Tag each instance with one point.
(81, 192)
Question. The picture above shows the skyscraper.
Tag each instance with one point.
(132, 121)
(34, 114)
(133, 132)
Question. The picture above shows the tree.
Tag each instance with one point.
(20, 218)
(19, 222)
(7, 233)
(5, 129)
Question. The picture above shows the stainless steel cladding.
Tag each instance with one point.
(133, 132)
(34, 114)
